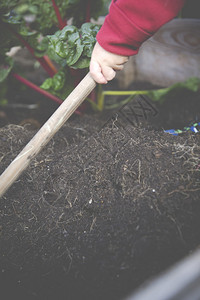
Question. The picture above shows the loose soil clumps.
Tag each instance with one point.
(97, 213)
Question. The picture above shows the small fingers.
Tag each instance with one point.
(104, 64)
(102, 74)
(108, 72)
(96, 72)
(118, 67)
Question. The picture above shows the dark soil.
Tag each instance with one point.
(109, 203)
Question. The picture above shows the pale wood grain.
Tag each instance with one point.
(47, 131)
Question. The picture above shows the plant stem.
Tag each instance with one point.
(47, 67)
(36, 88)
(124, 93)
(41, 91)
(49, 62)
(61, 22)
(88, 11)
(41, 60)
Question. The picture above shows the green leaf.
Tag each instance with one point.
(191, 84)
(7, 5)
(60, 85)
(66, 43)
(41, 47)
(47, 84)
(45, 17)
(88, 34)
(82, 63)
(7, 39)
(79, 7)
(3, 92)
(5, 68)
(74, 45)
(59, 81)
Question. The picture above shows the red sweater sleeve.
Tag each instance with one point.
(131, 22)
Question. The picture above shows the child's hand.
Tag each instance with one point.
(104, 64)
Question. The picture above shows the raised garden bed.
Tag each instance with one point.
(113, 199)
(110, 202)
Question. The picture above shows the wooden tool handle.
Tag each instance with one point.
(46, 132)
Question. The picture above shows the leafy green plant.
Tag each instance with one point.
(192, 84)
(61, 49)
(60, 36)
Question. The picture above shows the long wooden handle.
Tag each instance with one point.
(46, 132)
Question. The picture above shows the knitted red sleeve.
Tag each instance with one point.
(131, 22)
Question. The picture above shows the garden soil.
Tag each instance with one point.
(111, 201)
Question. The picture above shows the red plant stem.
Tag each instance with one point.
(61, 22)
(41, 91)
(88, 11)
(36, 88)
(41, 60)
(49, 62)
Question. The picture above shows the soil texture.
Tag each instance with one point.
(109, 203)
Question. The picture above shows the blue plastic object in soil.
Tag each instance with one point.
(193, 128)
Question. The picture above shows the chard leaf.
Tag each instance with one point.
(66, 43)
(59, 81)
(60, 84)
(41, 47)
(74, 45)
(88, 34)
(7, 5)
(192, 84)
(45, 18)
(16, 25)
(47, 84)
(7, 40)
(77, 9)
(5, 68)
(82, 63)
